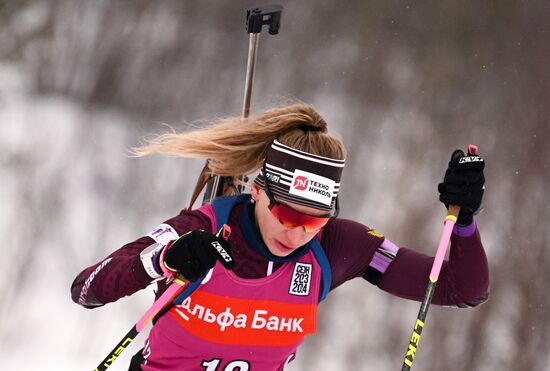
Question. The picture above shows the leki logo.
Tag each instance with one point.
(301, 182)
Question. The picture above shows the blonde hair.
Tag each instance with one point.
(237, 146)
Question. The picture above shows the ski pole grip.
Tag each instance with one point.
(260, 15)
(224, 232)
(452, 213)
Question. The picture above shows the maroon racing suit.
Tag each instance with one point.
(180, 341)
(353, 250)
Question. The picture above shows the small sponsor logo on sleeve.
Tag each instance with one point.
(163, 234)
(375, 233)
(301, 279)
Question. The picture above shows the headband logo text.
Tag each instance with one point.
(300, 183)
(273, 178)
(312, 187)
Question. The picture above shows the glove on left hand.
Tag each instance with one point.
(194, 253)
(463, 184)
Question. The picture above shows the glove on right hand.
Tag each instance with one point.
(463, 184)
(196, 252)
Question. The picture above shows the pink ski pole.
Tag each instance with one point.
(163, 302)
(450, 220)
(174, 289)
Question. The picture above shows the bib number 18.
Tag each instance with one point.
(213, 364)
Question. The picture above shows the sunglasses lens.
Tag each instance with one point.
(292, 219)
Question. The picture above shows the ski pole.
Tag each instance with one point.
(450, 220)
(174, 290)
(256, 18)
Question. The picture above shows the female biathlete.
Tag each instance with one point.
(287, 250)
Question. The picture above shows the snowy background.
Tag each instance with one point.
(404, 83)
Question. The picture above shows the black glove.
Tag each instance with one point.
(196, 252)
(463, 184)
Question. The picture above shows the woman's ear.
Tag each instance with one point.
(255, 192)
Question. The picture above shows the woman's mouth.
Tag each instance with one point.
(282, 246)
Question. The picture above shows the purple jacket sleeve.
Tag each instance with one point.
(122, 272)
(354, 250)
(349, 247)
(463, 281)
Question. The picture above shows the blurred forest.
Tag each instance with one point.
(403, 82)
